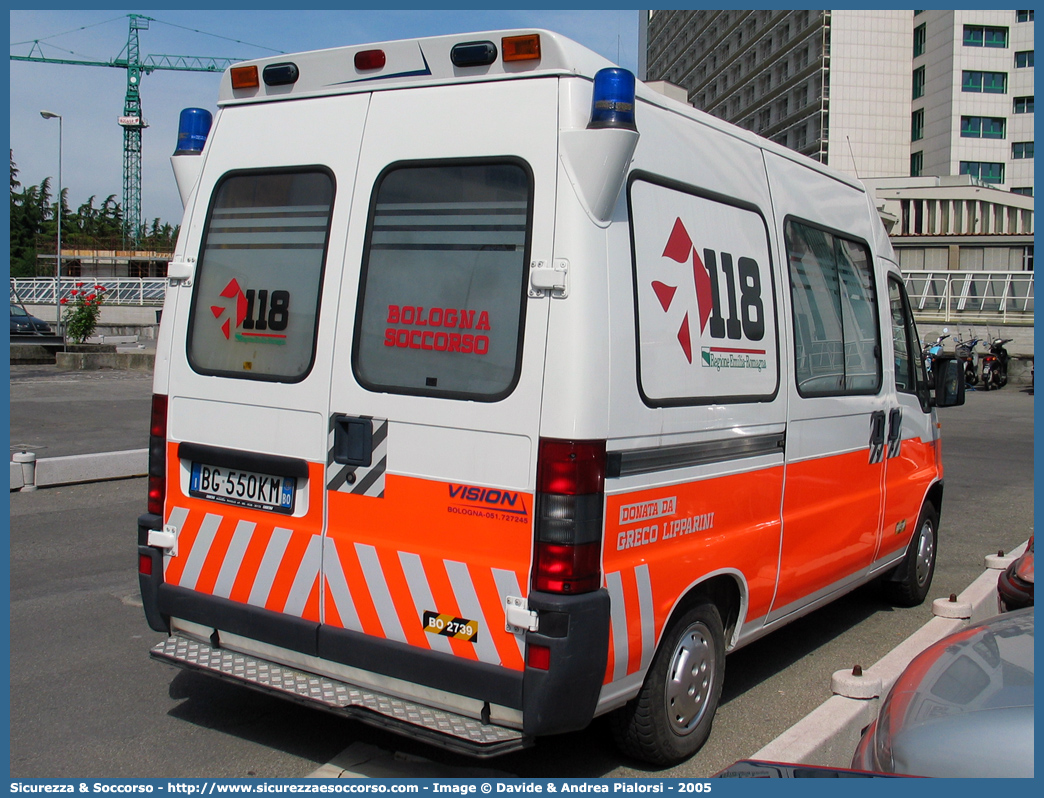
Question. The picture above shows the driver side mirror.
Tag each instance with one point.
(948, 390)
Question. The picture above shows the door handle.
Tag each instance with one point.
(877, 436)
(895, 424)
(353, 440)
(877, 427)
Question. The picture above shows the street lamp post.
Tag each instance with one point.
(58, 259)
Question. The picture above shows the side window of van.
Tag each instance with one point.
(837, 340)
(441, 307)
(256, 300)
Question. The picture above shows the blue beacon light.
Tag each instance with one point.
(193, 128)
(612, 103)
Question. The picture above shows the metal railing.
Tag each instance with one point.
(118, 290)
(989, 297)
(985, 297)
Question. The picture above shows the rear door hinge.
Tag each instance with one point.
(519, 617)
(550, 279)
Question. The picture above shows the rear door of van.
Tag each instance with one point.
(248, 373)
(437, 373)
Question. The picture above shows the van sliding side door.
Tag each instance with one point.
(839, 417)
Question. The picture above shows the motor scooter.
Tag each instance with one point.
(965, 351)
(995, 365)
(930, 352)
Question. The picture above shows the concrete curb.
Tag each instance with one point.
(829, 734)
(123, 361)
(28, 473)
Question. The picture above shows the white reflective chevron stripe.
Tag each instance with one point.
(645, 609)
(618, 615)
(307, 572)
(417, 581)
(233, 559)
(176, 519)
(421, 592)
(269, 566)
(382, 600)
(507, 585)
(338, 585)
(200, 549)
(470, 609)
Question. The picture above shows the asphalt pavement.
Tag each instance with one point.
(58, 413)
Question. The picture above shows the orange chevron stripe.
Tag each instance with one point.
(216, 556)
(401, 596)
(287, 573)
(353, 575)
(248, 569)
(311, 609)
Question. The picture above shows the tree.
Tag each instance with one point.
(34, 215)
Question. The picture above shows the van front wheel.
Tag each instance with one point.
(908, 585)
(671, 717)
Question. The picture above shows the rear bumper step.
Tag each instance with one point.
(438, 727)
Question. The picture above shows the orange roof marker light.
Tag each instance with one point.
(521, 48)
(245, 77)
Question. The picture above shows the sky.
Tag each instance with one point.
(90, 99)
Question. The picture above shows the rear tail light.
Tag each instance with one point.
(538, 657)
(570, 494)
(144, 565)
(158, 454)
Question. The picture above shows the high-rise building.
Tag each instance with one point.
(872, 93)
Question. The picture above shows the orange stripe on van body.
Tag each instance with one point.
(439, 522)
(725, 522)
(218, 549)
(248, 569)
(828, 532)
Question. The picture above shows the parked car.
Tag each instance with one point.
(1015, 584)
(24, 324)
(963, 708)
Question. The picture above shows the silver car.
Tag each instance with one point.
(963, 708)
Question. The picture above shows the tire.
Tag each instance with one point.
(908, 584)
(671, 717)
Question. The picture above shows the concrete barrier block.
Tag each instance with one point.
(92, 467)
(84, 361)
(827, 736)
(16, 476)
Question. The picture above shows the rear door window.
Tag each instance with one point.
(441, 305)
(256, 301)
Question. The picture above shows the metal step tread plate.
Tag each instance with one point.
(439, 727)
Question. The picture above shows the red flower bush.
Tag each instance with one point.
(81, 315)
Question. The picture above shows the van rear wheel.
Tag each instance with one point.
(671, 717)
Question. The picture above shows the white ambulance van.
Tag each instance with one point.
(495, 392)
